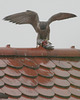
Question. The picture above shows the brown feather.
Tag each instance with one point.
(61, 16)
(27, 17)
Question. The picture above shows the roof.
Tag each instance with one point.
(39, 74)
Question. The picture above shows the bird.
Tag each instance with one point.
(41, 27)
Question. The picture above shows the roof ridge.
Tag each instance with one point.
(39, 52)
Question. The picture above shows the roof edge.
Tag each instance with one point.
(39, 52)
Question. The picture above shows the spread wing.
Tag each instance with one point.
(28, 17)
(61, 16)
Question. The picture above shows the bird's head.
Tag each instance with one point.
(43, 25)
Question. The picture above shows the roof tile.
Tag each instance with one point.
(13, 92)
(45, 72)
(45, 92)
(11, 82)
(12, 72)
(1, 83)
(75, 91)
(62, 92)
(47, 63)
(39, 74)
(45, 82)
(2, 64)
(75, 73)
(14, 63)
(76, 64)
(28, 72)
(29, 63)
(28, 92)
(61, 82)
(29, 82)
(1, 74)
(61, 73)
(1, 91)
(62, 64)
(74, 81)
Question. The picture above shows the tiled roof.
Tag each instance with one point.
(39, 74)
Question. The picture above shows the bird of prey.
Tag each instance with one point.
(41, 27)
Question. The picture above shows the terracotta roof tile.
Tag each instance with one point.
(61, 73)
(62, 64)
(39, 74)
(47, 63)
(2, 64)
(64, 93)
(1, 74)
(11, 82)
(75, 73)
(61, 83)
(29, 63)
(44, 72)
(28, 72)
(74, 82)
(13, 92)
(14, 63)
(1, 83)
(76, 64)
(12, 72)
(45, 82)
(75, 91)
(30, 92)
(45, 92)
(29, 82)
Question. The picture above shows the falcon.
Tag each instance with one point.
(41, 27)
